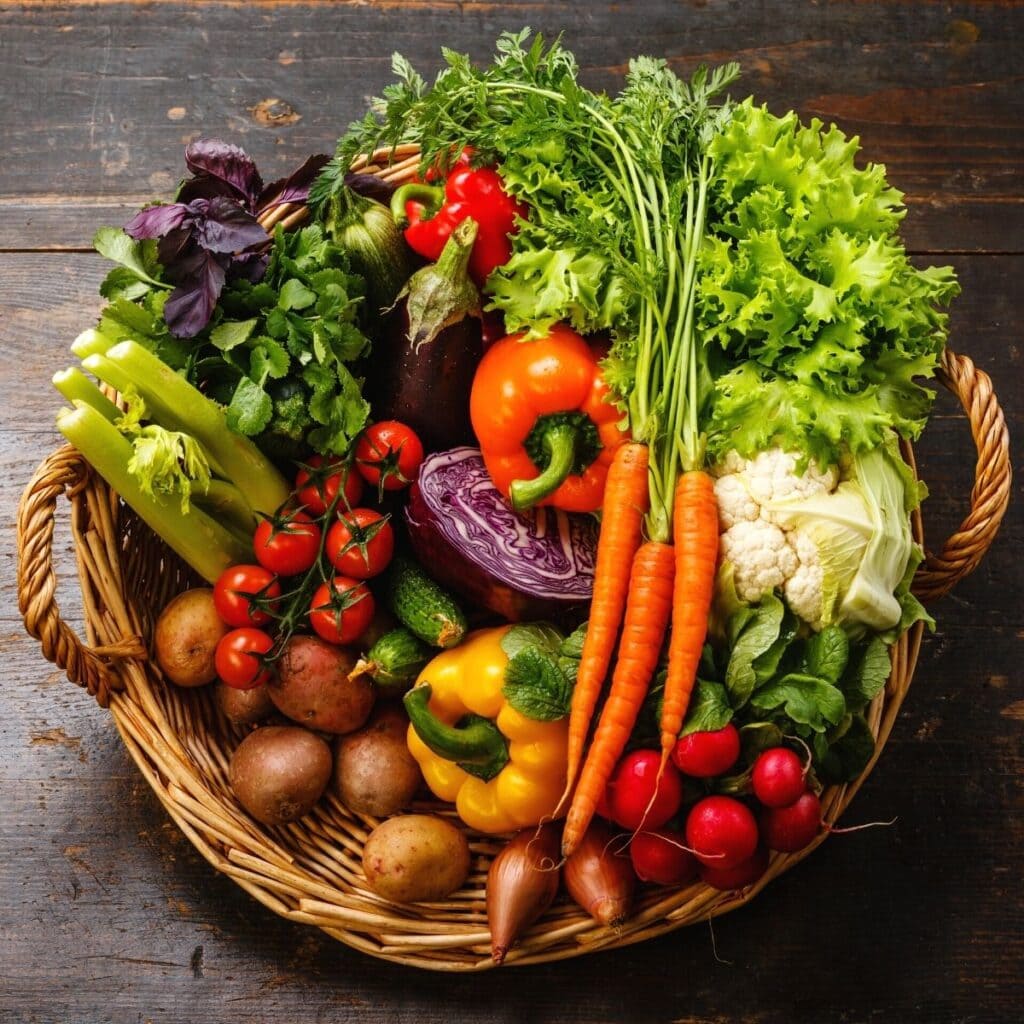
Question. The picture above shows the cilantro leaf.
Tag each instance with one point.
(250, 409)
(138, 257)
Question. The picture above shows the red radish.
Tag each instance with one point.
(633, 784)
(661, 857)
(721, 831)
(778, 777)
(791, 828)
(703, 755)
(739, 877)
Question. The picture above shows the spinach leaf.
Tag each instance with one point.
(805, 699)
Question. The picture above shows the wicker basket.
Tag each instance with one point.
(310, 871)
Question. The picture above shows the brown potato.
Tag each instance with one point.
(415, 857)
(186, 638)
(244, 707)
(278, 772)
(312, 686)
(374, 773)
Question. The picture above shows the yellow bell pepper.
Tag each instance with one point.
(502, 770)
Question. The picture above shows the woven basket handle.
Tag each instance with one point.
(62, 472)
(992, 477)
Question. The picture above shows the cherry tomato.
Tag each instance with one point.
(360, 543)
(388, 455)
(721, 831)
(633, 784)
(791, 828)
(318, 490)
(242, 594)
(661, 857)
(237, 658)
(778, 777)
(703, 755)
(743, 874)
(288, 545)
(341, 610)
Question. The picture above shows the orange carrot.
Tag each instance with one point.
(648, 608)
(625, 502)
(695, 535)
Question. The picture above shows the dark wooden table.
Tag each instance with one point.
(106, 911)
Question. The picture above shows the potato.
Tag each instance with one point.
(312, 686)
(374, 773)
(244, 707)
(186, 638)
(278, 772)
(415, 857)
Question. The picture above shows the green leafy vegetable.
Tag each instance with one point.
(847, 753)
(818, 321)
(805, 699)
(709, 709)
(535, 686)
(827, 653)
(759, 631)
(867, 674)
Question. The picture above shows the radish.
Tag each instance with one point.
(791, 828)
(721, 831)
(703, 755)
(632, 786)
(744, 874)
(778, 777)
(661, 857)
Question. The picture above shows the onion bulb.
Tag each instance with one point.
(521, 885)
(599, 878)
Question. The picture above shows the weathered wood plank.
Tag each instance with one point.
(99, 108)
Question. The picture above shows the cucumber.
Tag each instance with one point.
(394, 661)
(426, 610)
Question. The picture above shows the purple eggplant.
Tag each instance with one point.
(426, 353)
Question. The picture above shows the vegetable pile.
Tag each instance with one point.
(562, 480)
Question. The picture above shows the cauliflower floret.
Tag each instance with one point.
(804, 589)
(760, 556)
(735, 503)
(772, 476)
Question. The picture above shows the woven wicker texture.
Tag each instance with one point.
(310, 871)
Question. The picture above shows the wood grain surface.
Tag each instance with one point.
(106, 912)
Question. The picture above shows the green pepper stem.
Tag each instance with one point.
(477, 742)
(431, 196)
(559, 441)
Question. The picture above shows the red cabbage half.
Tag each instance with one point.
(519, 566)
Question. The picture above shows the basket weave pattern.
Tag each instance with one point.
(310, 871)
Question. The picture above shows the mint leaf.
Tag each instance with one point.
(231, 333)
(250, 409)
(572, 645)
(539, 635)
(536, 687)
(826, 654)
(709, 709)
(805, 699)
(759, 632)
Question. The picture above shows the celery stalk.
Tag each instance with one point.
(91, 342)
(224, 501)
(176, 404)
(76, 387)
(201, 541)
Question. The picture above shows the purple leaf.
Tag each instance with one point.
(171, 247)
(294, 188)
(226, 227)
(202, 186)
(249, 265)
(189, 307)
(228, 163)
(369, 186)
(155, 221)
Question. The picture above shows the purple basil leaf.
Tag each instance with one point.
(227, 227)
(172, 247)
(294, 188)
(250, 266)
(189, 307)
(228, 163)
(155, 221)
(202, 186)
(370, 187)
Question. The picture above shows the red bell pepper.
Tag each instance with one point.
(429, 213)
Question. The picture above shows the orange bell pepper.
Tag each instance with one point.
(544, 420)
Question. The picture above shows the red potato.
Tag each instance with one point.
(186, 637)
(313, 686)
